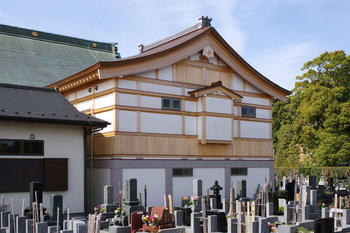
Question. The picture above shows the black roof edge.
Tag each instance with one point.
(94, 124)
(23, 87)
(46, 36)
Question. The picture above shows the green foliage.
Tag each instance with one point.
(280, 210)
(313, 128)
(302, 230)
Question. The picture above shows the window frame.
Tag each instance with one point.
(183, 174)
(239, 173)
(171, 100)
(249, 108)
(21, 149)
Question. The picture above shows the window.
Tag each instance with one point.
(248, 111)
(182, 172)
(235, 171)
(171, 103)
(16, 174)
(21, 147)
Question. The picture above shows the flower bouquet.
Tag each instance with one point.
(187, 201)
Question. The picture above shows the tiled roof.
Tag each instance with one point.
(34, 58)
(37, 104)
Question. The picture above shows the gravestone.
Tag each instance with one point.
(131, 203)
(41, 227)
(320, 189)
(29, 225)
(197, 187)
(290, 190)
(212, 223)
(241, 189)
(213, 205)
(216, 190)
(11, 223)
(312, 182)
(178, 217)
(56, 201)
(263, 225)
(66, 231)
(21, 224)
(313, 197)
(37, 187)
(108, 205)
(53, 229)
(2, 230)
(195, 222)
(324, 225)
(79, 226)
(330, 184)
(231, 225)
(4, 218)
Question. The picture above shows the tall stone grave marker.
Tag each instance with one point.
(108, 201)
(56, 201)
(131, 203)
(241, 189)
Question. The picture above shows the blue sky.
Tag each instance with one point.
(275, 36)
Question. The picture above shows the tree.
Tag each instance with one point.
(313, 127)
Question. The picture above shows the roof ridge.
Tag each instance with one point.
(56, 38)
(23, 87)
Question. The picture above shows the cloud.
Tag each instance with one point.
(282, 64)
(5, 19)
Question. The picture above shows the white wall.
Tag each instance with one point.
(256, 100)
(127, 121)
(190, 125)
(160, 88)
(60, 141)
(150, 102)
(71, 96)
(190, 106)
(161, 123)
(166, 73)
(218, 128)
(83, 93)
(85, 105)
(235, 128)
(251, 88)
(255, 176)
(104, 101)
(183, 186)
(218, 105)
(199, 126)
(263, 113)
(104, 86)
(237, 83)
(251, 129)
(127, 84)
(127, 99)
(107, 116)
(148, 74)
(155, 181)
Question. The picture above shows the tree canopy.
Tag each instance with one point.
(313, 127)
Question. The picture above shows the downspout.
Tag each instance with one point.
(91, 169)
(85, 172)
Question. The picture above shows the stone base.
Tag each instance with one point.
(109, 208)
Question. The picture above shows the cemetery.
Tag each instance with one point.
(294, 205)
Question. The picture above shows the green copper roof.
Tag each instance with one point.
(33, 58)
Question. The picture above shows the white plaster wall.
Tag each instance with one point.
(183, 186)
(237, 83)
(166, 73)
(218, 128)
(160, 88)
(251, 129)
(235, 128)
(127, 99)
(151, 102)
(85, 105)
(190, 106)
(219, 105)
(255, 176)
(155, 181)
(107, 116)
(101, 178)
(127, 84)
(83, 93)
(104, 101)
(190, 125)
(256, 100)
(60, 141)
(235, 110)
(263, 113)
(148, 74)
(71, 96)
(199, 105)
(127, 121)
(161, 123)
(104, 86)
(251, 88)
(199, 126)
(213, 60)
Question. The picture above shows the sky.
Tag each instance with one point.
(275, 36)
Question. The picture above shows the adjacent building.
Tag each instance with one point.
(43, 138)
(188, 106)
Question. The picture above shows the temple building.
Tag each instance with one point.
(186, 107)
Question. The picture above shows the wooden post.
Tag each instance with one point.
(335, 211)
(140, 197)
(207, 196)
(2, 202)
(253, 211)
(145, 193)
(22, 207)
(204, 216)
(13, 216)
(170, 204)
(247, 227)
(68, 216)
(239, 219)
(58, 220)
